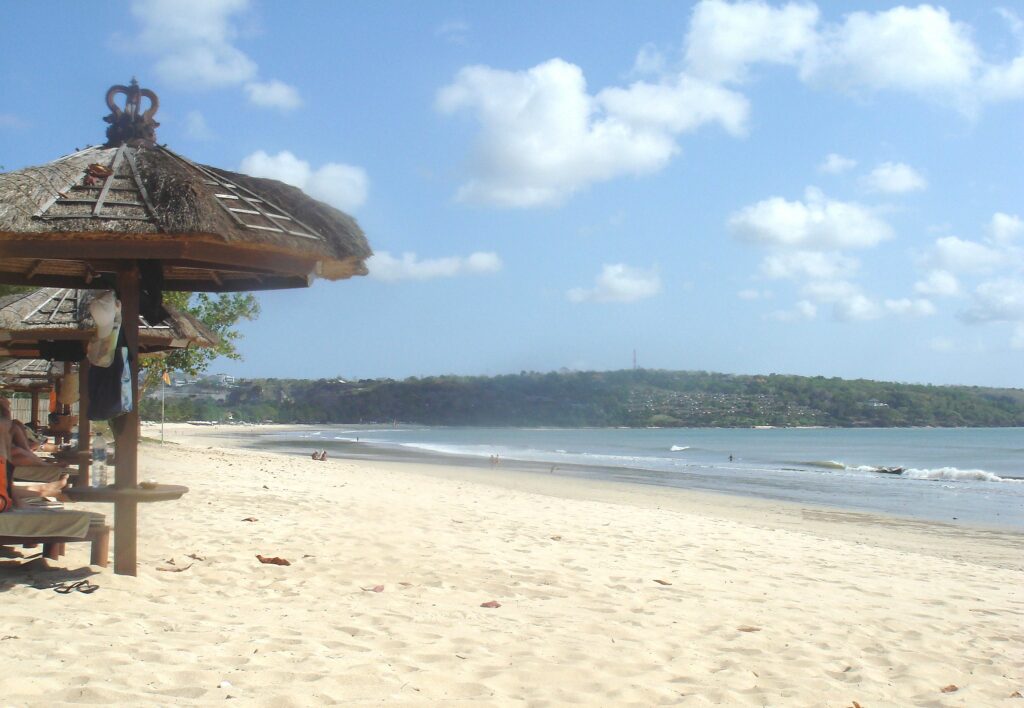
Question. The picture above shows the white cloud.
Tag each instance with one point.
(918, 50)
(1000, 300)
(807, 264)
(803, 310)
(725, 38)
(409, 266)
(1006, 228)
(960, 256)
(453, 31)
(196, 127)
(816, 223)
(895, 178)
(1017, 340)
(856, 307)
(938, 282)
(619, 283)
(918, 307)
(193, 42)
(835, 164)
(273, 94)
(342, 186)
(543, 136)
(649, 60)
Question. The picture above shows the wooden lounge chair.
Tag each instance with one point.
(55, 528)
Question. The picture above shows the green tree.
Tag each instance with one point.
(221, 313)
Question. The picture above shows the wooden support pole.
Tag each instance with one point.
(34, 418)
(84, 426)
(126, 430)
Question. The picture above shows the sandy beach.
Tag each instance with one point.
(608, 594)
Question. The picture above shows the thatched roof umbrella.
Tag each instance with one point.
(29, 322)
(136, 216)
(31, 376)
(55, 323)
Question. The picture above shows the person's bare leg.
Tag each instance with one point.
(34, 491)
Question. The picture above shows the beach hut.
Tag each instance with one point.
(136, 217)
(56, 323)
(31, 376)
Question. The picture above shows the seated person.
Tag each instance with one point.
(11, 495)
(20, 453)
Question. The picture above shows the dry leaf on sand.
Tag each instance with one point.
(375, 588)
(747, 628)
(662, 582)
(951, 688)
(175, 570)
(250, 518)
(491, 604)
(272, 560)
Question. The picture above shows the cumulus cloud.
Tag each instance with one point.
(817, 223)
(724, 39)
(961, 256)
(999, 300)
(807, 264)
(803, 310)
(1006, 228)
(384, 266)
(543, 136)
(193, 42)
(340, 185)
(619, 283)
(273, 94)
(919, 307)
(938, 282)
(895, 178)
(835, 164)
(918, 50)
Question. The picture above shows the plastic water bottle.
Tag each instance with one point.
(98, 477)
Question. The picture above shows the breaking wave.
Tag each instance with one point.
(955, 474)
(679, 448)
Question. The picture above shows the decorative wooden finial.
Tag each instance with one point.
(129, 126)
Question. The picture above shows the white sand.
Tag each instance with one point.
(848, 607)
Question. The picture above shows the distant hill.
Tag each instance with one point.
(635, 398)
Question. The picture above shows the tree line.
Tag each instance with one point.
(633, 398)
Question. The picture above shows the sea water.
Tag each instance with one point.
(971, 476)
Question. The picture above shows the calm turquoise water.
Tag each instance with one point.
(970, 476)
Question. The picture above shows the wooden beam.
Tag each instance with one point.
(126, 430)
(193, 248)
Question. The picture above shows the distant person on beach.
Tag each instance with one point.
(730, 458)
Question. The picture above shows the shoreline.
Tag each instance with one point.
(924, 535)
(418, 584)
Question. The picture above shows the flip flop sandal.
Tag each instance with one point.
(82, 586)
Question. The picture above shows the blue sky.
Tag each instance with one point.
(822, 189)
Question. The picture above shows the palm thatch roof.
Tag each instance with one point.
(26, 375)
(62, 314)
(68, 222)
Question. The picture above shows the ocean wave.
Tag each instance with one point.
(824, 464)
(679, 448)
(955, 474)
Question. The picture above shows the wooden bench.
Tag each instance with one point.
(97, 535)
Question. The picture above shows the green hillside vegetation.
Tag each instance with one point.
(635, 398)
